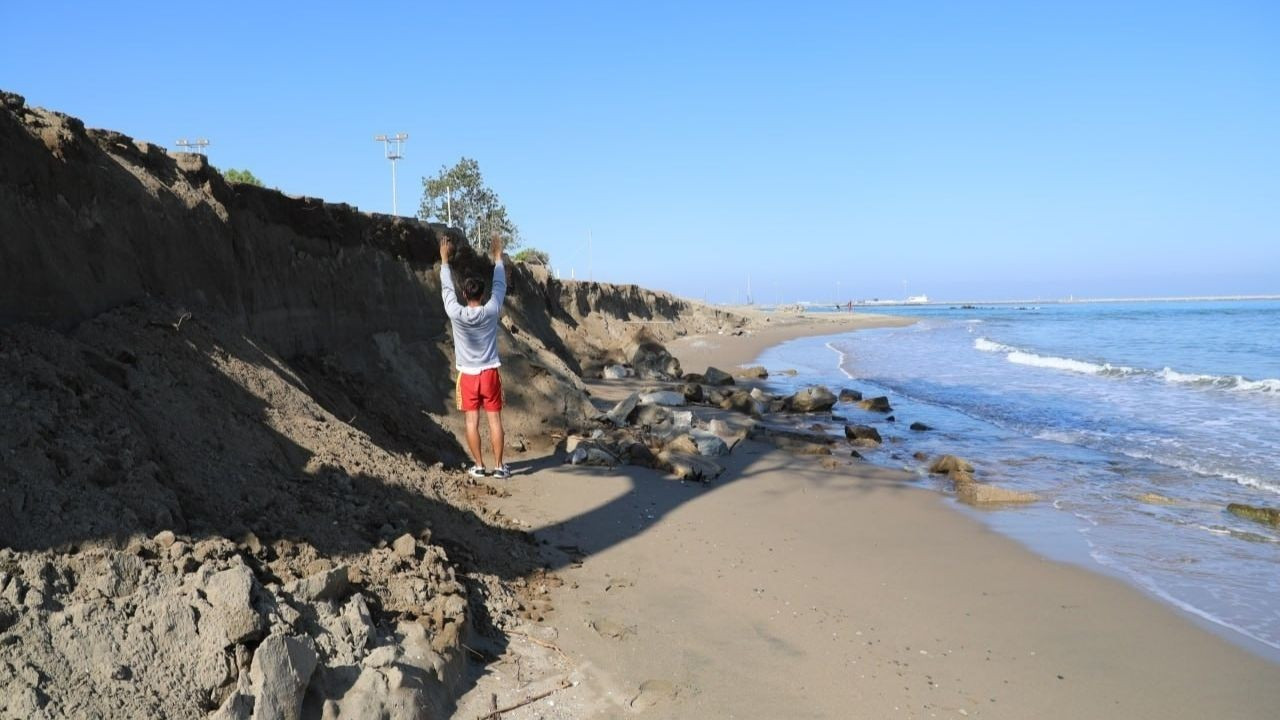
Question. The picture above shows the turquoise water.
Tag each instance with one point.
(1092, 405)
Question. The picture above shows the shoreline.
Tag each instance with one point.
(877, 599)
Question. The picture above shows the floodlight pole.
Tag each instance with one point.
(393, 145)
(196, 146)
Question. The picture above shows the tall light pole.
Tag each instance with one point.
(196, 146)
(393, 145)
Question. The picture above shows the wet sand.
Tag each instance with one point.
(790, 589)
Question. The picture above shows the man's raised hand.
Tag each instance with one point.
(495, 247)
(446, 246)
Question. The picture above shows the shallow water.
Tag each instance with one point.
(1092, 406)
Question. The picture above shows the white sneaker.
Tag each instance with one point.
(502, 472)
(477, 471)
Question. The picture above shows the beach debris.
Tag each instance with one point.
(650, 359)
(668, 398)
(755, 372)
(811, 399)
(879, 403)
(716, 376)
(849, 395)
(920, 427)
(1264, 515)
(616, 372)
(862, 433)
(950, 463)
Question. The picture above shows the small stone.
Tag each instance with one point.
(165, 538)
(920, 427)
(405, 546)
(122, 672)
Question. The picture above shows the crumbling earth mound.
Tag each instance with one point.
(227, 439)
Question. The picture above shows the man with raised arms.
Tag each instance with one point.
(475, 351)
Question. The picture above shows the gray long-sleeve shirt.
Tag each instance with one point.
(475, 328)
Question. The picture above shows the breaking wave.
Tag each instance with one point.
(1019, 356)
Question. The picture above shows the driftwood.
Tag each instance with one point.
(494, 715)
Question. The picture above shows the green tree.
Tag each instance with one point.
(533, 256)
(459, 192)
(241, 176)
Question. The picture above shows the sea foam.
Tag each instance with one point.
(1019, 356)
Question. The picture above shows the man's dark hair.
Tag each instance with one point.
(473, 289)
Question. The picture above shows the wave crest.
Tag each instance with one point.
(1237, 383)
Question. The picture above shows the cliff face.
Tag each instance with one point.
(268, 378)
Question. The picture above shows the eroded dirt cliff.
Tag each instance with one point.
(227, 480)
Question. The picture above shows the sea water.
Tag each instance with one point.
(1135, 422)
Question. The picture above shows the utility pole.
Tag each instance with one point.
(448, 204)
(196, 146)
(393, 145)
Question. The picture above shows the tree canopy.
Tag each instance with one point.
(533, 256)
(460, 192)
(241, 176)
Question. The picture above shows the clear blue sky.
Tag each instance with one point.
(973, 150)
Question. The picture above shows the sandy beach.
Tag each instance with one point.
(792, 587)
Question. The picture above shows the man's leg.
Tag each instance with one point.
(496, 436)
(473, 436)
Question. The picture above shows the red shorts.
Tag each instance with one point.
(480, 391)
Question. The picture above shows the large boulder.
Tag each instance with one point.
(876, 404)
(649, 415)
(849, 396)
(651, 361)
(280, 671)
(688, 466)
(862, 432)
(615, 372)
(950, 463)
(716, 376)
(668, 398)
(620, 412)
(708, 443)
(231, 593)
(811, 399)
(976, 493)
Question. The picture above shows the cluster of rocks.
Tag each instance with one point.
(242, 630)
(648, 429)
